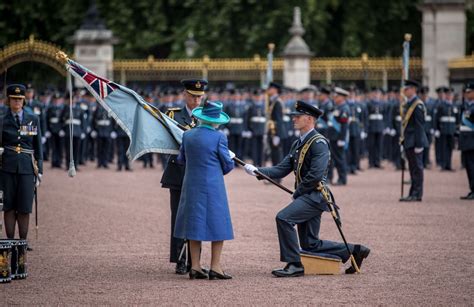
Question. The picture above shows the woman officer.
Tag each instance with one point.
(21, 164)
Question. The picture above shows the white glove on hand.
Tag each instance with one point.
(47, 134)
(363, 135)
(249, 169)
(43, 139)
(276, 140)
(83, 136)
(231, 154)
(226, 131)
(401, 148)
(386, 131)
(93, 134)
(113, 135)
(89, 129)
(393, 132)
(437, 134)
(61, 133)
(341, 143)
(419, 150)
(39, 179)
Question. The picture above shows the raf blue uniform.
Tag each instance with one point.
(237, 110)
(103, 125)
(446, 121)
(79, 126)
(376, 126)
(339, 140)
(466, 141)
(257, 123)
(54, 126)
(355, 130)
(415, 137)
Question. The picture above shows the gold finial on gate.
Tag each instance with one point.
(62, 56)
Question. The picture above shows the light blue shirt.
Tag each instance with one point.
(20, 115)
(303, 136)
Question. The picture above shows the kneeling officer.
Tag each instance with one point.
(309, 159)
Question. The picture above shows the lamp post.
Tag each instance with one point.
(190, 45)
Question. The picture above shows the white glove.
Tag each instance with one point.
(249, 169)
(61, 133)
(386, 131)
(437, 134)
(47, 134)
(113, 135)
(363, 135)
(83, 136)
(43, 139)
(93, 134)
(89, 129)
(231, 154)
(432, 131)
(276, 140)
(1, 151)
(401, 148)
(226, 131)
(341, 143)
(393, 132)
(39, 179)
(418, 150)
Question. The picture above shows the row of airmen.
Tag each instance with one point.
(363, 122)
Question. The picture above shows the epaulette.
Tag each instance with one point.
(170, 112)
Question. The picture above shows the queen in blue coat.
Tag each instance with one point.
(203, 213)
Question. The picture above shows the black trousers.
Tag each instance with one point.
(396, 154)
(276, 152)
(438, 154)
(338, 158)
(103, 144)
(18, 191)
(57, 150)
(76, 144)
(374, 144)
(415, 165)
(468, 161)
(176, 244)
(308, 219)
(446, 150)
(257, 150)
(122, 146)
(353, 153)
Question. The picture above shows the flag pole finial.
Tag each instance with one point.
(62, 56)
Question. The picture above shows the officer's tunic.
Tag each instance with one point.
(17, 176)
(54, 125)
(308, 203)
(376, 111)
(446, 121)
(257, 123)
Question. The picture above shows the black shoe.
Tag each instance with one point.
(214, 275)
(290, 270)
(29, 249)
(360, 253)
(193, 274)
(410, 198)
(469, 196)
(181, 268)
(339, 183)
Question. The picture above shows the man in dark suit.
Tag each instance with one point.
(309, 160)
(173, 174)
(414, 139)
(21, 161)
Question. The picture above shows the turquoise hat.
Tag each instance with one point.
(211, 112)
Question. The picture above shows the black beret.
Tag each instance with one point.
(303, 108)
(278, 86)
(16, 91)
(469, 87)
(195, 86)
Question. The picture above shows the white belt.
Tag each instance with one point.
(54, 120)
(465, 129)
(257, 119)
(398, 118)
(447, 119)
(376, 116)
(74, 121)
(103, 122)
(428, 118)
(236, 120)
(286, 118)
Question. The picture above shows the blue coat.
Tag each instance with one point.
(203, 213)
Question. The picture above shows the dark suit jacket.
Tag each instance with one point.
(313, 170)
(12, 135)
(173, 174)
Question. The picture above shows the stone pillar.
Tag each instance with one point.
(444, 38)
(297, 55)
(93, 45)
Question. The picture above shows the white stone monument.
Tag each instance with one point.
(444, 38)
(93, 45)
(297, 55)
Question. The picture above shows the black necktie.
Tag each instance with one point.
(17, 118)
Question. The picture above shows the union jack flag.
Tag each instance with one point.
(101, 86)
